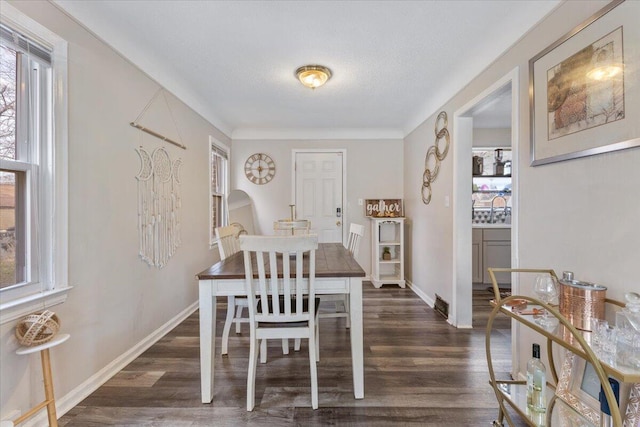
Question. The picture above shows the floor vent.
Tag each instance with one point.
(441, 306)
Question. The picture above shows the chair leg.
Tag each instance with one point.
(285, 346)
(314, 372)
(251, 375)
(238, 316)
(296, 345)
(347, 306)
(317, 338)
(231, 303)
(263, 351)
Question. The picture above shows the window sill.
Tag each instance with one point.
(20, 307)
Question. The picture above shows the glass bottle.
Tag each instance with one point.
(536, 382)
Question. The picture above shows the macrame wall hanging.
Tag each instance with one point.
(159, 200)
(431, 173)
(159, 205)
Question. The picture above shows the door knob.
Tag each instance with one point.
(338, 223)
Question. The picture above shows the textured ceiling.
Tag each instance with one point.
(394, 62)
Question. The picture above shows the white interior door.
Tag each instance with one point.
(318, 193)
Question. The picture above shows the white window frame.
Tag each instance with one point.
(51, 287)
(213, 241)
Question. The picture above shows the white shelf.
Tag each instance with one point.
(387, 232)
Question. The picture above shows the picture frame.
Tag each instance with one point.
(579, 387)
(632, 413)
(572, 113)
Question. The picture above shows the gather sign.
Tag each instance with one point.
(384, 208)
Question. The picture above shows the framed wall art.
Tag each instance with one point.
(632, 414)
(579, 387)
(585, 88)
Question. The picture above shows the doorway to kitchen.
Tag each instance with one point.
(485, 205)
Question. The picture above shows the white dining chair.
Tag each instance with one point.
(356, 231)
(228, 245)
(282, 302)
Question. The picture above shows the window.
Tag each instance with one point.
(33, 191)
(219, 168)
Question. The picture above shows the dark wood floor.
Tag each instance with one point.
(418, 370)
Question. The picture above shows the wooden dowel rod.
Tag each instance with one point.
(157, 135)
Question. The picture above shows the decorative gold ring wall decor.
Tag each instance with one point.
(432, 168)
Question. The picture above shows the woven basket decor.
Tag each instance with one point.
(37, 328)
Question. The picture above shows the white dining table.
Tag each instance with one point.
(337, 272)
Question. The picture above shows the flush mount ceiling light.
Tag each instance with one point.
(313, 76)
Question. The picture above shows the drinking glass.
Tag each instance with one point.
(546, 287)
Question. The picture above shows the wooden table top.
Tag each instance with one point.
(332, 260)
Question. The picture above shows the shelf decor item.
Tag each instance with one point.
(384, 208)
(584, 90)
(37, 328)
(386, 254)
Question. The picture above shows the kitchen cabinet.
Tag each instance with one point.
(496, 253)
(490, 248)
(476, 260)
(387, 233)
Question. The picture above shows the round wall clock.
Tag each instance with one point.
(259, 168)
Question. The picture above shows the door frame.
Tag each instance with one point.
(462, 127)
(342, 151)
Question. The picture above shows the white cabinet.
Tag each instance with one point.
(387, 235)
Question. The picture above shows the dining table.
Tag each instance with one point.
(337, 272)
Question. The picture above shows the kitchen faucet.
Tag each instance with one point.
(492, 212)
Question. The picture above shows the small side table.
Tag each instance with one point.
(49, 399)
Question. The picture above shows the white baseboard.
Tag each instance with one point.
(78, 394)
(424, 297)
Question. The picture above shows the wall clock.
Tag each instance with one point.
(259, 168)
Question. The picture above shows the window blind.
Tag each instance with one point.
(24, 44)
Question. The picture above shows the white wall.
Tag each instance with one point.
(118, 300)
(580, 215)
(373, 171)
(494, 137)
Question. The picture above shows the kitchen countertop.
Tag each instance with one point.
(485, 225)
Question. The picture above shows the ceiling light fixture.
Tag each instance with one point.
(313, 76)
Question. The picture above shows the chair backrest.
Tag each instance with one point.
(274, 268)
(228, 239)
(356, 231)
(287, 227)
